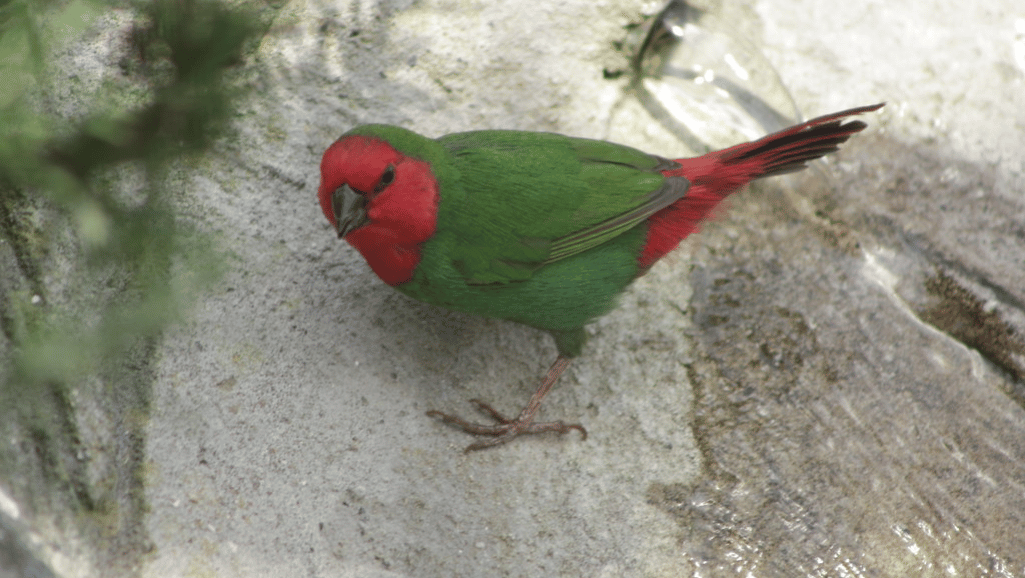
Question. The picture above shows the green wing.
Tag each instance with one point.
(525, 199)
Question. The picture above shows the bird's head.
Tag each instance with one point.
(380, 200)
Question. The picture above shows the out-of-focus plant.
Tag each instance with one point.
(96, 258)
(107, 165)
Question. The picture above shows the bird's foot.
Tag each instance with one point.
(506, 429)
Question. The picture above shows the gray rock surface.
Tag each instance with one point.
(826, 381)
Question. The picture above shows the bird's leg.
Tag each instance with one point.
(506, 429)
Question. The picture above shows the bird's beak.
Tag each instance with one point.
(350, 209)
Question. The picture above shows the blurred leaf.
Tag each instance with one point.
(138, 265)
(94, 261)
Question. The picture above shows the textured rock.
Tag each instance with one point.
(826, 381)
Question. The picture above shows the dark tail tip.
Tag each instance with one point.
(788, 150)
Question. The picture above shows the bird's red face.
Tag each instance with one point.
(382, 202)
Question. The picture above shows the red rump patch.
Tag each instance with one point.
(674, 223)
(715, 175)
(402, 214)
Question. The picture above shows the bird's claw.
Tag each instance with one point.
(505, 429)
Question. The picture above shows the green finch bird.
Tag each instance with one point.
(539, 228)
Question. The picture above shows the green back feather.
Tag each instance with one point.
(540, 197)
(534, 227)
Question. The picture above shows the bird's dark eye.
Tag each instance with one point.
(386, 178)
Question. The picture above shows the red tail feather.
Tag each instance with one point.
(716, 175)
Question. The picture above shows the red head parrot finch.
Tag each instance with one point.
(539, 228)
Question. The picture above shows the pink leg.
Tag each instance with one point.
(506, 429)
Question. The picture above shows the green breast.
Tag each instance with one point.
(507, 197)
(561, 296)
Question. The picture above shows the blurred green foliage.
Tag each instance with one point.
(106, 107)
(116, 265)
